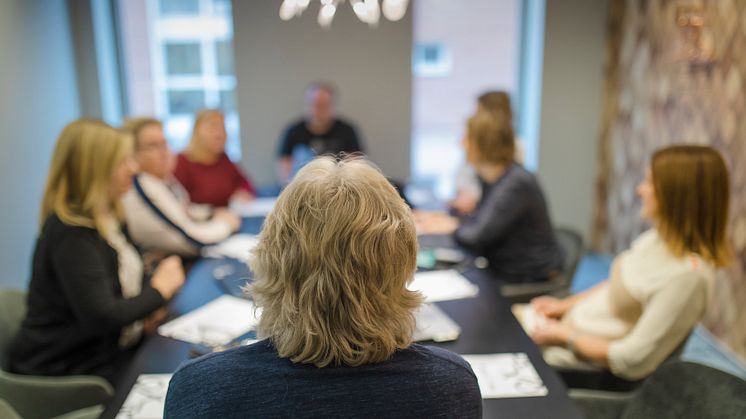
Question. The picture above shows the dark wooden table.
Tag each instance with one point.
(487, 324)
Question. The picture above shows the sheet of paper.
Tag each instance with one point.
(443, 285)
(237, 246)
(506, 375)
(259, 207)
(434, 324)
(216, 323)
(147, 398)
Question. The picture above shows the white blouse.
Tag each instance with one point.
(650, 305)
(130, 276)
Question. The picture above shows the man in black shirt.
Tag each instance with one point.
(319, 132)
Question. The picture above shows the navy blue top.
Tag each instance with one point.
(511, 228)
(253, 381)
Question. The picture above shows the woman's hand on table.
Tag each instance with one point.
(150, 324)
(168, 277)
(551, 333)
(435, 222)
(242, 195)
(227, 216)
(550, 307)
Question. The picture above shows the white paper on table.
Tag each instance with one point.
(506, 375)
(434, 324)
(147, 398)
(216, 323)
(443, 285)
(237, 246)
(259, 207)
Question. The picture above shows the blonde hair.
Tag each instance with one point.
(692, 187)
(134, 126)
(194, 150)
(332, 264)
(491, 138)
(84, 159)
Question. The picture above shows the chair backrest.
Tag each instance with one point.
(12, 312)
(684, 390)
(571, 243)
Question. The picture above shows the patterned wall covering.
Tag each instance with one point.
(669, 80)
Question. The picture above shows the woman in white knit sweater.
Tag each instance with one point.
(658, 289)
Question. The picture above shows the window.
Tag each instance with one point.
(224, 57)
(185, 101)
(228, 100)
(222, 7)
(179, 7)
(183, 65)
(183, 59)
(449, 71)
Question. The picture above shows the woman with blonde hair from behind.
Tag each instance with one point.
(332, 265)
(205, 170)
(659, 288)
(88, 300)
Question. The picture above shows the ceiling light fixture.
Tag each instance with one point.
(368, 11)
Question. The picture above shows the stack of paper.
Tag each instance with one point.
(433, 324)
(217, 323)
(443, 285)
(259, 207)
(147, 398)
(238, 246)
(506, 375)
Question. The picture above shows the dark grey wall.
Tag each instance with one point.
(39, 96)
(574, 47)
(275, 60)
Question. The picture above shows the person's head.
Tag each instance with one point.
(320, 103)
(495, 102)
(208, 135)
(686, 193)
(489, 140)
(332, 265)
(151, 149)
(91, 168)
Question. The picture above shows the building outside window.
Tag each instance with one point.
(177, 57)
(461, 49)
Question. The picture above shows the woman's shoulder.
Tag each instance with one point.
(437, 356)
(217, 362)
(652, 266)
(55, 233)
(54, 226)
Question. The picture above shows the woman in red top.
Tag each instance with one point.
(205, 170)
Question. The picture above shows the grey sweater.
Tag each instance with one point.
(511, 228)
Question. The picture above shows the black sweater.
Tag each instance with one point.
(75, 306)
(512, 229)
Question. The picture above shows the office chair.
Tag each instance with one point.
(679, 389)
(31, 396)
(571, 244)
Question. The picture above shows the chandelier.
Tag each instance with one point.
(368, 11)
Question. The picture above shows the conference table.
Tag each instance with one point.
(486, 321)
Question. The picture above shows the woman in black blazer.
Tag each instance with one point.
(88, 300)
